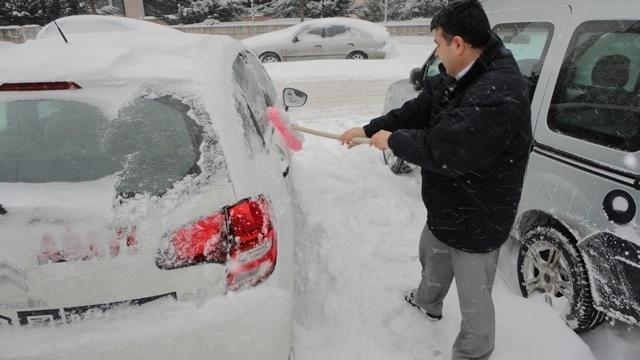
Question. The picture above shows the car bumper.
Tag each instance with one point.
(252, 324)
(613, 264)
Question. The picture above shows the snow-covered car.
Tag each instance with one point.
(328, 38)
(139, 170)
(87, 24)
(577, 236)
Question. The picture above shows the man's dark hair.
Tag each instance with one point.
(464, 18)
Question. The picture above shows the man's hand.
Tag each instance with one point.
(381, 140)
(345, 138)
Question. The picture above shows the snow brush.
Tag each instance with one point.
(281, 123)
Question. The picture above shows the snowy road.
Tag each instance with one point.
(358, 254)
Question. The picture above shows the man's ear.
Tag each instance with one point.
(459, 44)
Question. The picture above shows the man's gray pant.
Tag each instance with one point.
(474, 275)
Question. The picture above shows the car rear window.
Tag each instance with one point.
(151, 144)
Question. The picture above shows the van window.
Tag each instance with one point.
(597, 94)
(528, 42)
(151, 144)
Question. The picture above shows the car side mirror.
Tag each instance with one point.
(295, 39)
(293, 98)
(415, 78)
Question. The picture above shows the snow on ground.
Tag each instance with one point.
(358, 253)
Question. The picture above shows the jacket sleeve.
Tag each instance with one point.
(468, 137)
(411, 115)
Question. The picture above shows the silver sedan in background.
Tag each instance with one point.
(328, 38)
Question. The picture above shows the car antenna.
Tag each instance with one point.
(61, 33)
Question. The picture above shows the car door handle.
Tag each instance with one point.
(351, 44)
(318, 46)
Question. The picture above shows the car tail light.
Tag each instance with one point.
(241, 236)
(254, 250)
(40, 86)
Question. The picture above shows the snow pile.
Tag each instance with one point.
(161, 330)
(358, 256)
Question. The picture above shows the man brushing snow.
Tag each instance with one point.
(470, 132)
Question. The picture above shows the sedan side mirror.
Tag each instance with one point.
(295, 39)
(293, 98)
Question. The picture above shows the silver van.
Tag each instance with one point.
(576, 239)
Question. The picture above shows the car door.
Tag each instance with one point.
(587, 149)
(339, 41)
(307, 44)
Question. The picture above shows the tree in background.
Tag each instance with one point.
(41, 12)
(312, 8)
(200, 10)
(21, 12)
(423, 8)
(373, 10)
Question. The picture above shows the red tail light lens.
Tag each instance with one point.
(200, 242)
(40, 86)
(254, 250)
(240, 236)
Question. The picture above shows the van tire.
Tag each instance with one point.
(550, 263)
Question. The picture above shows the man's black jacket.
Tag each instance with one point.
(472, 139)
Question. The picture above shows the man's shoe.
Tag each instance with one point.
(410, 298)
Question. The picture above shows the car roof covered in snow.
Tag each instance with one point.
(121, 57)
(85, 24)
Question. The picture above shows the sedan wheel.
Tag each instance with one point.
(269, 57)
(357, 55)
(550, 267)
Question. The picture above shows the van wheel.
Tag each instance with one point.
(357, 55)
(397, 165)
(551, 268)
(270, 57)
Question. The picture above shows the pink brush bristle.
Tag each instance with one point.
(281, 123)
